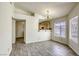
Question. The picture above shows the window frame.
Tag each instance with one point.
(60, 30)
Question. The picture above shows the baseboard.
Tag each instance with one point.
(7, 53)
(19, 37)
(59, 42)
(36, 41)
(10, 51)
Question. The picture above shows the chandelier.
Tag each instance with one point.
(48, 14)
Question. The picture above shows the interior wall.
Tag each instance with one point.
(20, 15)
(73, 45)
(44, 35)
(6, 11)
(32, 28)
(20, 11)
(32, 33)
(13, 31)
(19, 29)
(60, 39)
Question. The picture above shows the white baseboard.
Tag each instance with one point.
(35, 41)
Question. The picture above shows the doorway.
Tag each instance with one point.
(20, 31)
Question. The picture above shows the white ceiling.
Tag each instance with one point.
(57, 9)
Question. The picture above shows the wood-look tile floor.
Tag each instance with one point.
(45, 48)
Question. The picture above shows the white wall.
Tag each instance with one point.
(32, 32)
(5, 28)
(44, 35)
(19, 16)
(31, 29)
(13, 31)
(73, 45)
(17, 10)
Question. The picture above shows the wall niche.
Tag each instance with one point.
(45, 25)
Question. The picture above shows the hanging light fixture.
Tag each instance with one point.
(47, 14)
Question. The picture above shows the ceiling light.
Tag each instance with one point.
(48, 13)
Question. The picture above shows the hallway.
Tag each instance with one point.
(20, 40)
(45, 48)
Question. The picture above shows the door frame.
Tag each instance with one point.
(14, 37)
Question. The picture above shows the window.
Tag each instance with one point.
(59, 29)
(62, 29)
(73, 29)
